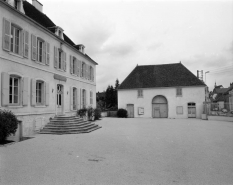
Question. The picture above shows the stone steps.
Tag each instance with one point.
(68, 125)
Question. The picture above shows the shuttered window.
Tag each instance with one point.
(39, 93)
(91, 97)
(14, 40)
(140, 93)
(14, 90)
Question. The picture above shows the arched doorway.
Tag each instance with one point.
(159, 107)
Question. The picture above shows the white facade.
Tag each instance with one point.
(31, 79)
(143, 104)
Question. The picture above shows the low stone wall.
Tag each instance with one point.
(220, 118)
(112, 113)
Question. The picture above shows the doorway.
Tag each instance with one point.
(159, 107)
(60, 102)
(191, 110)
(130, 110)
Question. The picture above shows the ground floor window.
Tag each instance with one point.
(14, 90)
(75, 98)
(84, 98)
(91, 97)
(39, 92)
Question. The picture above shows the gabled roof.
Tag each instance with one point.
(164, 75)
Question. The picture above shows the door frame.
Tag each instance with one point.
(192, 106)
(128, 111)
(62, 100)
(152, 107)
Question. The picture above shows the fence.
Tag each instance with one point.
(218, 109)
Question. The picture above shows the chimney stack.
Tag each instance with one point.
(37, 5)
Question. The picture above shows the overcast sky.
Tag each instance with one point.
(120, 34)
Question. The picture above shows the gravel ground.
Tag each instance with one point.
(125, 151)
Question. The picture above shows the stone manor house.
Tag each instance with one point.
(43, 72)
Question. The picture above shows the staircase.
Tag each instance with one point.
(68, 125)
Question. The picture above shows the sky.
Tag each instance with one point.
(121, 34)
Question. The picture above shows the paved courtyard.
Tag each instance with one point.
(125, 151)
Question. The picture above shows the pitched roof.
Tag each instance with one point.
(164, 75)
(46, 22)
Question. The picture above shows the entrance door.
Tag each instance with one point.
(59, 99)
(159, 107)
(130, 110)
(191, 110)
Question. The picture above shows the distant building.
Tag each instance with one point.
(162, 91)
(43, 73)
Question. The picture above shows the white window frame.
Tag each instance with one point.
(12, 94)
(13, 42)
(40, 46)
(42, 98)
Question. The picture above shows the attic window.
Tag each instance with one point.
(16, 4)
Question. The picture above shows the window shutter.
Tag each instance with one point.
(47, 53)
(71, 64)
(25, 43)
(47, 94)
(21, 43)
(25, 91)
(85, 98)
(33, 94)
(71, 98)
(77, 103)
(64, 60)
(74, 66)
(88, 72)
(86, 75)
(34, 47)
(55, 56)
(5, 89)
(92, 77)
(81, 69)
(44, 53)
(7, 34)
(78, 68)
(81, 99)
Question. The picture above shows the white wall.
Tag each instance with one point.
(26, 67)
(190, 94)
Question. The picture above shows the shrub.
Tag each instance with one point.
(97, 113)
(82, 112)
(8, 124)
(90, 113)
(122, 113)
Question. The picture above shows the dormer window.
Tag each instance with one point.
(16, 4)
(59, 32)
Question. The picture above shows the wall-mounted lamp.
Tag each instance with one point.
(67, 92)
(52, 90)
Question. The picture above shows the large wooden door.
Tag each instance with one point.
(130, 110)
(59, 99)
(159, 107)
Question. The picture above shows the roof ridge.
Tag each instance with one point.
(158, 64)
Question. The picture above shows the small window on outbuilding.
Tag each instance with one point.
(140, 93)
(178, 91)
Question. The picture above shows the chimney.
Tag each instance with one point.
(37, 5)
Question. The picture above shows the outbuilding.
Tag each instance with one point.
(162, 91)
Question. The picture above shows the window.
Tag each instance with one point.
(140, 93)
(179, 110)
(15, 39)
(16, 4)
(59, 59)
(179, 92)
(83, 69)
(74, 66)
(91, 74)
(14, 90)
(40, 50)
(83, 98)
(91, 97)
(40, 92)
